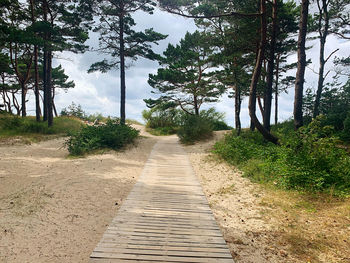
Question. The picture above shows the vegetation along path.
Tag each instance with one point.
(166, 217)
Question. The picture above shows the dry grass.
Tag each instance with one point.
(315, 228)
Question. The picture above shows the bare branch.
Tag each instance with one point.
(330, 55)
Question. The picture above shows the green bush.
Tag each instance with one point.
(74, 110)
(194, 128)
(346, 131)
(162, 119)
(217, 119)
(220, 126)
(112, 135)
(306, 160)
(165, 120)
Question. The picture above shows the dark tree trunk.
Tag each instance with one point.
(122, 69)
(270, 69)
(45, 84)
(5, 96)
(45, 68)
(261, 107)
(15, 103)
(256, 75)
(23, 99)
(238, 103)
(300, 76)
(49, 90)
(36, 85)
(54, 108)
(53, 102)
(196, 108)
(252, 125)
(323, 37)
(276, 88)
(36, 71)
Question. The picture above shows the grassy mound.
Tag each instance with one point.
(12, 126)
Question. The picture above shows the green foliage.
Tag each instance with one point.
(112, 135)
(334, 105)
(307, 160)
(346, 131)
(162, 119)
(115, 19)
(194, 128)
(185, 78)
(15, 126)
(217, 119)
(75, 111)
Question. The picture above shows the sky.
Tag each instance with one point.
(99, 92)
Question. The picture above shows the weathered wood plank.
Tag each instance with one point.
(165, 218)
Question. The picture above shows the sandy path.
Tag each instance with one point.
(236, 204)
(54, 209)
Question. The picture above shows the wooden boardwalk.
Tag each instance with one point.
(165, 218)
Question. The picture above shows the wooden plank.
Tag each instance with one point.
(165, 218)
(164, 252)
(168, 247)
(163, 258)
(125, 242)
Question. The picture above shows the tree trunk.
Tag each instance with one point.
(323, 38)
(256, 75)
(261, 107)
(276, 88)
(49, 90)
(238, 103)
(54, 108)
(122, 68)
(252, 125)
(23, 99)
(45, 68)
(196, 108)
(300, 76)
(36, 85)
(36, 71)
(15, 103)
(270, 69)
(5, 96)
(53, 102)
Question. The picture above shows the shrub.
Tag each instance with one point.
(194, 128)
(74, 110)
(346, 132)
(308, 159)
(165, 120)
(162, 116)
(112, 135)
(217, 119)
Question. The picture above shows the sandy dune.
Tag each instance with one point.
(54, 208)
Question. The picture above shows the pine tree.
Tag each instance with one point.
(184, 77)
(120, 41)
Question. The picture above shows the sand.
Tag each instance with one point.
(236, 204)
(54, 208)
